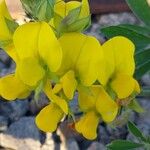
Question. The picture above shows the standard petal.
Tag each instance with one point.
(30, 71)
(4, 31)
(123, 85)
(89, 60)
(84, 58)
(107, 107)
(26, 40)
(11, 88)
(88, 124)
(119, 52)
(69, 84)
(49, 48)
(48, 118)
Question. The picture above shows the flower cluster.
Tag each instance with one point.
(60, 61)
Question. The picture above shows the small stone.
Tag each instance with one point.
(13, 110)
(96, 146)
(103, 135)
(3, 123)
(49, 143)
(146, 79)
(21, 135)
(116, 19)
(71, 144)
(36, 105)
(143, 120)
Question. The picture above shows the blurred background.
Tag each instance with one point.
(17, 128)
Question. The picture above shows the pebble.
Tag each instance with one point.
(96, 146)
(21, 135)
(3, 123)
(13, 110)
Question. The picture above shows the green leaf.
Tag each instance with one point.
(139, 29)
(12, 25)
(142, 58)
(45, 10)
(123, 145)
(135, 131)
(141, 8)
(41, 10)
(141, 41)
(142, 69)
(134, 105)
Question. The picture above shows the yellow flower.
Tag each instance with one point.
(71, 16)
(80, 62)
(51, 115)
(81, 54)
(96, 104)
(38, 52)
(118, 70)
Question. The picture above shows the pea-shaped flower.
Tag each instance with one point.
(97, 105)
(119, 67)
(38, 55)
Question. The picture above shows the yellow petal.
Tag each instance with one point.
(48, 118)
(11, 88)
(107, 107)
(26, 40)
(123, 85)
(85, 10)
(84, 58)
(30, 71)
(69, 84)
(4, 31)
(72, 5)
(11, 51)
(87, 125)
(87, 99)
(57, 88)
(88, 62)
(119, 54)
(60, 102)
(60, 8)
(49, 48)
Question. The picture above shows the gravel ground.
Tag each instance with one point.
(17, 128)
